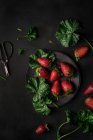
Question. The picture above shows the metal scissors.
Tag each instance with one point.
(5, 55)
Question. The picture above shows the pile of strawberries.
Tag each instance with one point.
(54, 75)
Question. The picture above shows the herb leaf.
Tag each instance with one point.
(82, 120)
(40, 53)
(21, 51)
(32, 34)
(41, 90)
(67, 32)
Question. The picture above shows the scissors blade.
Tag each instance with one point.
(1, 56)
(6, 69)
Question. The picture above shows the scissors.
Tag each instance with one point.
(5, 55)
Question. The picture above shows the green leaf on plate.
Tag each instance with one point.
(41, 89)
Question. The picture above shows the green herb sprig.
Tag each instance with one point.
(82, 120)
(40, 90)
(20, 51)
(67, 32)
(32, 34)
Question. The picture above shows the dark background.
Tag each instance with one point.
(17, 116)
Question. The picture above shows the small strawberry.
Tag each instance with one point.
(56, 88)
(89, 89)
(80, 52)
(41, 129)
(43, 73)
(54, 75)
(66, 69)
(89, 102)
(67, 87)
(45, 62)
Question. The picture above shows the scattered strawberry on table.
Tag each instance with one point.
(80, 52)
(42, 128)
(89, 89)
(89, 102)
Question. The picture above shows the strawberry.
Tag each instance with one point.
(54, 75)
(66, 69)
(56, 88)
(89, 102)
(45, 62)
(67, 86)
(41, 129)
(89, 89)
(43, 73)
(80, 52)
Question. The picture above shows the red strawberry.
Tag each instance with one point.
(67, 69)
(54, 75)
(56, 88)
(67, 87)
(43, 73)
(80, 52)
(41, 129)
(45, 62)
(89, 89)
(89, 102)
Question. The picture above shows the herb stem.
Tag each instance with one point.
(88, 43)
(1, 77)
(55, 105)
(60, 137)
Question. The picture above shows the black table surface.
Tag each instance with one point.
(18, 119)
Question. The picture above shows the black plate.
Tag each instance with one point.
(63, 99)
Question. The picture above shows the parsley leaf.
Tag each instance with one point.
(82, 120)
(21, 51)
(32, 34)
(41, 90)
(67, 33)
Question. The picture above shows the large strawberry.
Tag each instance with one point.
(67, 87)
(56, 88)
(42, 72)
(45, 62)
(66, 69)
(89, 102)
(41, 129)
(54, 75)
(80, 52)
(89, 89)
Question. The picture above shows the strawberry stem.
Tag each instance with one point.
(88, 43)
(46, 126)
(55, 105)
(77, 59)
(58, 132)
